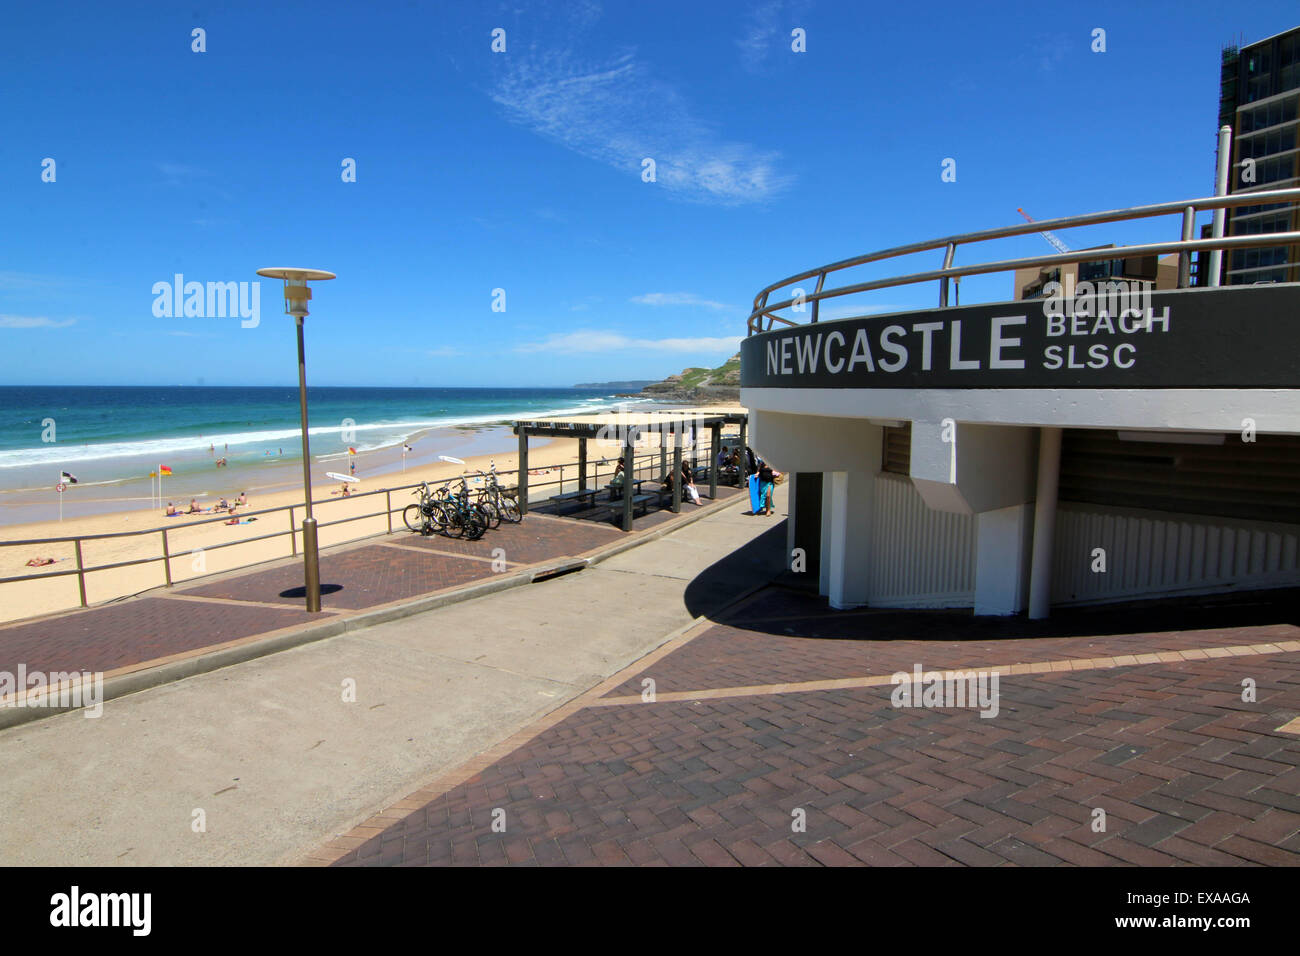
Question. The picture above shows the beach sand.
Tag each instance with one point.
(191, 547)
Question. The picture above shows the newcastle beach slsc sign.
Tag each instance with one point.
(1233, 337)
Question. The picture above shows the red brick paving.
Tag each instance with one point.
(716, 781)
(354, 579)
(816, 645)
(536, 538)
(104, 639)
(1187, 772)
(143, 629)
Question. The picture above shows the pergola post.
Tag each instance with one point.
(629, 451)
(523, 471)
(582, 464)
(677, 468)
(715, 439)
(663, 450)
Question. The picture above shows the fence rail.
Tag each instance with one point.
(642, 464)
(764, 316)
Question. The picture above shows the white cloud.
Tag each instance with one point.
(616, 112)
(760, 30)
(681, 298)
(595, 341)
(32, 322)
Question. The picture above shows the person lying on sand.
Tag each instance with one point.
(233, 518)
(39, 562)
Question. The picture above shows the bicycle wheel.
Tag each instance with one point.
(490, 512)
(475, 524)
(414, 519)
(509, 509)
(436, 515)
(452, 525)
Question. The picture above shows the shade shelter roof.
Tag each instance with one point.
(602, 424)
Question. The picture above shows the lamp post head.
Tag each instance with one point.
(296, 293)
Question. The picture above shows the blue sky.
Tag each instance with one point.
(522, 170)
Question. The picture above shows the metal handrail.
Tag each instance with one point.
(1188, 208)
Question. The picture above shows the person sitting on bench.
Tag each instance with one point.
(616, 482)
(688, 484)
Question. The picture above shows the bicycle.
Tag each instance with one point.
(505, 503)
(470, 519)
(427, 516)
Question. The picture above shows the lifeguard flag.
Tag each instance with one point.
(70, 479)
(164, 470)
(351, 450)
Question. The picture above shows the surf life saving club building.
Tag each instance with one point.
(1122, 434)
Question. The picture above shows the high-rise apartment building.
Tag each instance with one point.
(1259, 97)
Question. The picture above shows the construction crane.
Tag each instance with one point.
(1057, 244)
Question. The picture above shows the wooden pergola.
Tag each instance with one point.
(625, 429)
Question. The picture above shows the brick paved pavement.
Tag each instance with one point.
(241, 605)
(119, 635)
(537, 538)
(1186, 772)
(817, 646)
(354, 579)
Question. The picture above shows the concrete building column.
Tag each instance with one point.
(1049, 476)
(824, 552)
(1002, 560)
(849, 503)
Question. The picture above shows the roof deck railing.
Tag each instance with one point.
(764, 315)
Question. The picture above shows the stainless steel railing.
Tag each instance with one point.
(764, 315)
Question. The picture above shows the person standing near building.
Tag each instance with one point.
(766, 484)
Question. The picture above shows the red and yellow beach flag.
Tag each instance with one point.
(164, 469)
(351, 450)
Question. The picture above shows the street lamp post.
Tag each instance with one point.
(296, 295)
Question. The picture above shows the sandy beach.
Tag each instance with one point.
(191, 539)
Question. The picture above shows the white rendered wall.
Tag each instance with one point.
(919, 557)
(1148, 553)
(1003, 549)
(849, 502)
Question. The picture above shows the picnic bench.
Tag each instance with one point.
(636, 484)
(638, 501)
(581, 496)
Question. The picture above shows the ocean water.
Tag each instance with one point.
(114, 436)
(63, 426)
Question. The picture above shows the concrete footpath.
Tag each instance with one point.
(261, 762)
